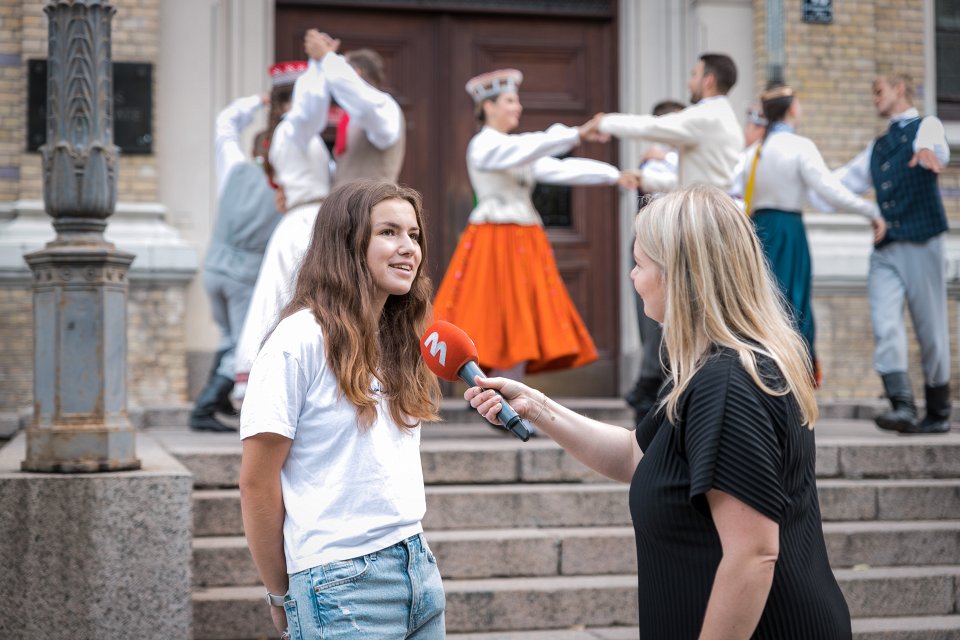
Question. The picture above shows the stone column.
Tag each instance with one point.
(80, 419)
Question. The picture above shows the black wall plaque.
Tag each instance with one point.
(818, 11)
(132, 106)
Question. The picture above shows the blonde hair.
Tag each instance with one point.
(718, 291)
(906, 81)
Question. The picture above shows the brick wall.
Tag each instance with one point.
(156, 369)
(11, 100)
(156, 335)
(136, 38)
(845, 346)
(16, 348)
(156, 365)
(832, 67)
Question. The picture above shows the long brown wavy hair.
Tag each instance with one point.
(334, 282)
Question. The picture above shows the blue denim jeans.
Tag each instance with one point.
(388, 594)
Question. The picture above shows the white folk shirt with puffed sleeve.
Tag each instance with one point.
(791, 168)
(375, 111)
(707, 135)
(504, 169)
(302, 168)
(229, 125)
(299, 157)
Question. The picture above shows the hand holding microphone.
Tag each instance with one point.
(451, 354)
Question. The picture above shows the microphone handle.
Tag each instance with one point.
(510, 418)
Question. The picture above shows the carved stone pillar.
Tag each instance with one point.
(80, 419)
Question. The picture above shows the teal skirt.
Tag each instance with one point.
(784, 241)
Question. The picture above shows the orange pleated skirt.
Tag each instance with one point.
(503, 288)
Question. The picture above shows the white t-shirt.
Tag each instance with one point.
(347, 491)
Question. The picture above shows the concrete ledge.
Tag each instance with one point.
(103, 555)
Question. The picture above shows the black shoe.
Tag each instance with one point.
(937, 419)
(224, 405)
(202, 417)
(903, 415)
(209, 423)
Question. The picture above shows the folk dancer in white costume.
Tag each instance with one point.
(778, 173)
(301, 168)
(371, 135)
(707, 133)
(526, 319)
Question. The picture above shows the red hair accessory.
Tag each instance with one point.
(284, 73)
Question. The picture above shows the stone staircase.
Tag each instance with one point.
(532, 545)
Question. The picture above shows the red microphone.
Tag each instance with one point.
(451, 354)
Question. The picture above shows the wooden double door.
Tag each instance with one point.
(569, 66)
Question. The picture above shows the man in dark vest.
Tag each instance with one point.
(907, 263)
(371, 137)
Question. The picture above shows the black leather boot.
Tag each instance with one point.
(224, 405)
(937, 419)
(202, 417)
(903, 415)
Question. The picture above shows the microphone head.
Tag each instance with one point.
(446, 348)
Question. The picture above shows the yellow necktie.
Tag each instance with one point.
(751, 180)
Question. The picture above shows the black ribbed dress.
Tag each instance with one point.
(733, 437)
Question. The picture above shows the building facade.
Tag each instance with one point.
(202, 53)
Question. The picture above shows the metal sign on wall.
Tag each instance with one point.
(132, 106)
(818, 11)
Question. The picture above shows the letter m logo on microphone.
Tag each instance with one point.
(436, 346)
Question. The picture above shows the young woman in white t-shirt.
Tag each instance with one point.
(331, 485)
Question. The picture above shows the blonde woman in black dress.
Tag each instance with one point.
(723, 488)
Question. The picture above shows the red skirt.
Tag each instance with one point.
(503, 288)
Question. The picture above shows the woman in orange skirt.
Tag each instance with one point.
(502, 285)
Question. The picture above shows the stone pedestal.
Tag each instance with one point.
(95, 555)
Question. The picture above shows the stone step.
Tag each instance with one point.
(217, 511)
(223, 561)
(513, 604)
(492, 553)
(497, 553)
(901, 628)
(526, 505)
(892, 543)
(214, 459)
(577, 633)
(907, 628)
(889, 499)
(901, 591)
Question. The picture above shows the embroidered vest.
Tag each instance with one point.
(363, 160)
(909, 198)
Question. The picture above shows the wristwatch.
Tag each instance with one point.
(275, 600)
